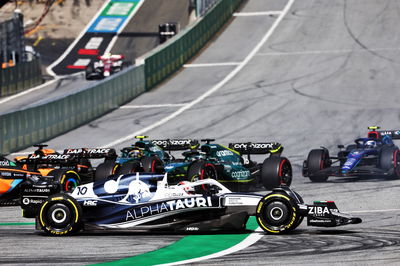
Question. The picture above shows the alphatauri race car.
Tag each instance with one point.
(375, 155)
(147, 202)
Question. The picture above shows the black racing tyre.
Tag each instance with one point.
(276, 171)
(300, 220)
(68, 179)
(130, 167)
(152, 164)
(60, 215)
(317, 160)
(201, 170)
(89, 70)
(277, 213)
(105, 170)
(389, 160)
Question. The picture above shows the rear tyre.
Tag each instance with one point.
(152, 164)
(317, 160)
(389, 160)
(130, 167)
(277, 213)
(276, 171)
(202, 170)
(89, 71)
(68, 179)
(60, 215)
(105, 170)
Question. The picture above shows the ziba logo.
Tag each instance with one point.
(318, 210)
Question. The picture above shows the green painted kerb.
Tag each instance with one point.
(189, 247)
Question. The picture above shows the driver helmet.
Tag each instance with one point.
(136, 153)
(370, 144)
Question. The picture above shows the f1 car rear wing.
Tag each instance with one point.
(5, 162)
(92, 153)
(256, 148)
(176, 144)
(47, 159)
(394, 134)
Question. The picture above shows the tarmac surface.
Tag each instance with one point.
(327, 70)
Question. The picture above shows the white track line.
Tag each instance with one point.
(152, 106)
(248, 241)
(115, 38)
(215, 88)
(48, 69)
(212, 64)
(12, 97)
(329, 51)
(250, 14)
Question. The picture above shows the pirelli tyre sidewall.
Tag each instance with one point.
(152, 164)
(105, 170)
(68, 179)
(317, 159)
(130, 167)
(277, 213)
(60, 215)
(202, 170)
(276, 171)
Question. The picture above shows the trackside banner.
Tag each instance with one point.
(97, 37)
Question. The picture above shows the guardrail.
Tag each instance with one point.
(23, 128)
(33, 125)
(20, 77)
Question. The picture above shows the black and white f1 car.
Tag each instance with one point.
(375, 155)
(146, 201)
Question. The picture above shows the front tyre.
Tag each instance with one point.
(60, 215)
(317, 160)
(276, 171)
(277, 213)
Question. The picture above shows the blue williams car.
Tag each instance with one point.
(146, 201)
(375, 155)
